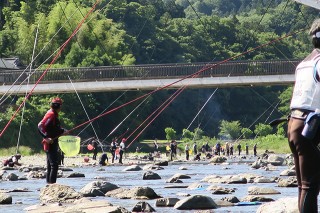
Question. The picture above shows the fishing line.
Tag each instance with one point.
(24, 105)
(54, 59)
(202, 108)
(86, 113)
(173, 98)
(163, 104)
(125, 118)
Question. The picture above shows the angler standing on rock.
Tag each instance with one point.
(305, 101)
(50, 129)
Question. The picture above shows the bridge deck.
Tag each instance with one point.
(141, 77)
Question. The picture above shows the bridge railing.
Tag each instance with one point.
(153, 71)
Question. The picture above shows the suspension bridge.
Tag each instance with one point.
(150, 77)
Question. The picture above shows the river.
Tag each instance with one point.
(116, 175)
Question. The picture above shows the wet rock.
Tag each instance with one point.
(181, 176)
(133, 168)
(253, 198)
(7, 168)
(236, 180)
(283, 205)
(258, 164)
(66, 169)
(275, 160)
(5, 198)
(195, 186)
(135, 193)
(183, 168)
(181, 194)
(56, 193)
(75, 175)
(95, 206)
(12, 177)
(264, 180)
(174, 180)
(289, 182)
(36, 174)
(143, 206)
(152, 167)
(218, 159)
(97, 188)
(166, 202)
(254, 190)
(232, 199)
(220, 190)
(149, 175)
(162, 163)
(196, 202)
(288, 172)
(223, 203)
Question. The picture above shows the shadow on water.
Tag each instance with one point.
(116, 175)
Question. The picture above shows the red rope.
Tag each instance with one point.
(49, 66)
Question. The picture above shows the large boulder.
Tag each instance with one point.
(97, 188)
(283, 205)
(218, 159)
(133, 168)
(166, 202)
(254, 190)
(275, 160)
(196, 202)
(134, 193)
(56, 193)
(143, 206)
(5, 198)
(150, 175)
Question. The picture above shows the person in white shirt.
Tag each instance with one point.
(306, 100)
(121, 149)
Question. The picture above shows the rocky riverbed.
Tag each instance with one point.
(220, 184)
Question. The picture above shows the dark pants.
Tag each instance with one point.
(120, 154)
(95, 152)
(187, 154)
(52, 166)
(113, 153)
(306, 158)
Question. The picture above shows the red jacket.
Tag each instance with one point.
(49, 126)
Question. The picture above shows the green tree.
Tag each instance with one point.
(246, 133)
(170, 133)
(187, 134)
(229, 129)
(198, 133)
(262, 129)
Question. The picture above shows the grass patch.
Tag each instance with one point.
(23, 150)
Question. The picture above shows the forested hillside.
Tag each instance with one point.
(124, 32)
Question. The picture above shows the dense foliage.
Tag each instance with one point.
(125, 32)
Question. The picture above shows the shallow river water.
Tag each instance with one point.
(116, 175)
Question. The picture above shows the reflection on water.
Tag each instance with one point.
(115, 175)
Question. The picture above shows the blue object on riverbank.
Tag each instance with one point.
(247, 203)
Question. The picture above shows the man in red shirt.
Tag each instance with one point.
(50, 129)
